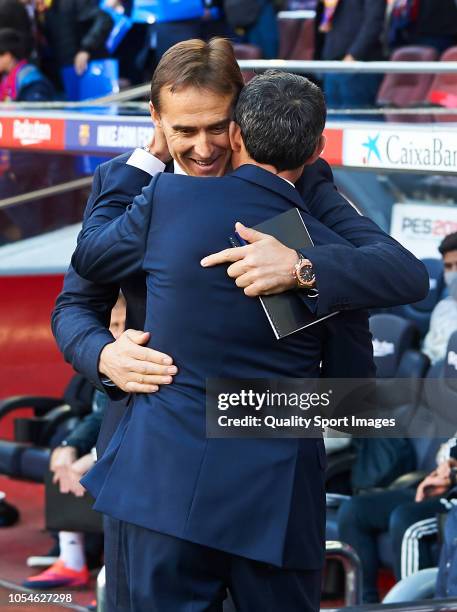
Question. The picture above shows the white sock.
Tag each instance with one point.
(72, 549)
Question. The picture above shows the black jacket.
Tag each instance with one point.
(76, 25)
(13, 14)
(437, 18)
(356, 30)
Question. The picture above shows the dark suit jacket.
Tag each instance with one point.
(437, 18)
(356, 29)
(260, 499)
(81, 316)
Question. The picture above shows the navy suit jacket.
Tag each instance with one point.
(260, 499)
(357, 29)
(81, 316)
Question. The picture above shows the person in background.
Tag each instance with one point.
(14, 15)
(431, 23)
(76, 32)
(21, 81)
(351, 30)
(69, 462)
(255, 23)
(362, 518)
(443, 321)
(165, 34)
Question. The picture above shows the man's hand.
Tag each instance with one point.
(68, 476)
(62, 459)
(158, 145)
(438, 485)
(444, 468)
(80, 62)
(76, 472)
(262, 267)
(135, 368)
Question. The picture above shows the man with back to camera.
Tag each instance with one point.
(79, 319)
(208, 73)
(192, 493)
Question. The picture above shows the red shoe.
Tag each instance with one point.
(58, 575)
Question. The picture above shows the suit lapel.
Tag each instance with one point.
(267, 180)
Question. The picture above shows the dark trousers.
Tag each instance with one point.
(351, 91)
(153, 572)
(363, 518)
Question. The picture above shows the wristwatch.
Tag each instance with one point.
(304, 273)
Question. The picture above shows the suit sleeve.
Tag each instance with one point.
(114, 248)
(378, 273)
(81, 316)
(370, 29)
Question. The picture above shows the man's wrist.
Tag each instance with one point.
(70, 445)
(303, 273)
(102, 369)
(160, 154)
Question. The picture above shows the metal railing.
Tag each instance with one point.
(299, 66)
(388, 67)
(352, 570)
(46, 192)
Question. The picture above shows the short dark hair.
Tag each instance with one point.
(195, 63)
(14, 42)
(282, 117)
(448, 244)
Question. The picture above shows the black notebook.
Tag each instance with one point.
(286, 312)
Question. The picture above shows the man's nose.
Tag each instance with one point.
(203, 147)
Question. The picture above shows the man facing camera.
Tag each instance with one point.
(193, 92)
(200, 516)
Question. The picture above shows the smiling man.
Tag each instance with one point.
(198, 136)
(193, 92)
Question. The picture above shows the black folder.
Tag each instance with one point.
(287, 312)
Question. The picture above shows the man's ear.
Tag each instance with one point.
(235, 136)
(154, 114)
(317, 152)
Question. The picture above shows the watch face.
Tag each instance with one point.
(306, 274)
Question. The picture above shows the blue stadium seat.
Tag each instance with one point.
(392, 337)
(395, 342)
(420, 312)
(435, 420)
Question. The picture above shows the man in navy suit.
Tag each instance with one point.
(81, 316)
(187, 502)
(194, 135)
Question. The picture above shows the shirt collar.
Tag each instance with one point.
(179, 170)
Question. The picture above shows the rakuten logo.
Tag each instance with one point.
(31, 133)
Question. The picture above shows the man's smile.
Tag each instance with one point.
(206, 166)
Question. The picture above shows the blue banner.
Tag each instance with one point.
(153, 11)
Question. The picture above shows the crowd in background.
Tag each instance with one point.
(57, 34)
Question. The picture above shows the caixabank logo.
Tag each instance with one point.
(424, 149)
